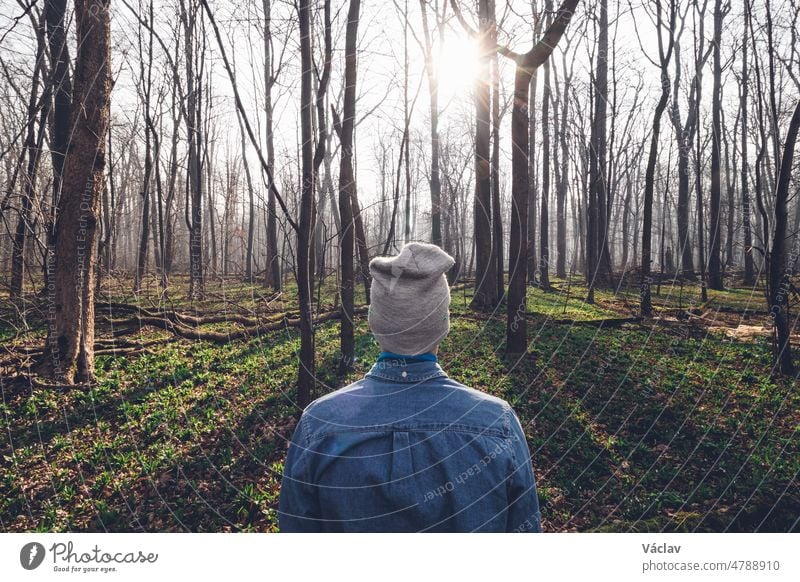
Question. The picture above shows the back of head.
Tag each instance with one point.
(409, 311)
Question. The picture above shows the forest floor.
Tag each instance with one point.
(668, 424)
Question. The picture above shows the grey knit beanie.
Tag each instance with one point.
(409, 310)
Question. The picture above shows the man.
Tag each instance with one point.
(406, 448)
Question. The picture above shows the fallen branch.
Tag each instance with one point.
(195, 333)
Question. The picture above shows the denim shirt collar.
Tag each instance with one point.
(409, 369)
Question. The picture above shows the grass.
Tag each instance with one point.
(632, 428)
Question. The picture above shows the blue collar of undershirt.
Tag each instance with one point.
(429, 357)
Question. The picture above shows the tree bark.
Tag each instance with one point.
(715, 197)
(532, 168)
(544, 214)
(779, 283)
(749, 274)
(485, 297)
(273, 268)
(70, 341)
(526, 64)
(649, 180)
(597, 252)
(347, 188)
(433, 87)
(31, 151)
(55, 13)
(305, 279)
(193, 118)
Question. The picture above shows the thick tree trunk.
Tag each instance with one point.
(516, 330)
(779, 283)
(347, 186)
(54, 12)
(485, 297)
(70, 342)
(516, 324)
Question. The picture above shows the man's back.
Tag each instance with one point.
(408, 449)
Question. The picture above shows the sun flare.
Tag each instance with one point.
(457, 67)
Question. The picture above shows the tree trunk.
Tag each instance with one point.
(561, 195)
(516, 325)
(684, 134)
(31, 152)
(596, 239)
(305, 279)
(497, 216)
(433, 87)
(715, 198)
(532, 182)
(544, 215)
(194, 204)
(649, 180)
(273, 266)
(70, 342)
(779, 283)
(485, 297)
(347, 188)
(54, 12)
(749, 274)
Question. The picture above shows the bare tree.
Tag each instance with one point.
(526, 64)
(685, 133)
(544, 214)
(347, 185)
(305, 275)
(70, 340)
(31, 149)
(194, 61)
(433, 88)
(271, 70)
(749, 274)
(664, 54)
(780, 285)
(485, 297)
(715, 196)
(145, 90)
(597, 253)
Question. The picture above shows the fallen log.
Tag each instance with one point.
(195, 333)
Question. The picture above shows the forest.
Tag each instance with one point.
(192, 191)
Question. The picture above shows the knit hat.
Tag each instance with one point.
(409, 310)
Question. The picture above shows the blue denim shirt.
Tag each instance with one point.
(407, 449)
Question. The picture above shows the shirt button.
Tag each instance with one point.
(404, 374)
